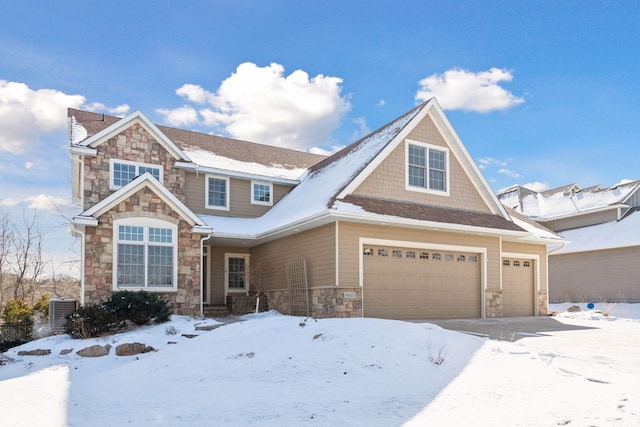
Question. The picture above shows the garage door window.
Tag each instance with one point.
(448, 257)
(424, 255)
(411, 254)
(526, 264)
(383, 252)
(461, 258)
(506, 262)
(473, 258)
(396, 253)
(516, 263)
(367, 252)
(436, 256)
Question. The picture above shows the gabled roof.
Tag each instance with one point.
(326, 190)
(207, 153)
(119, 126)
(567, 200)
(91, 215)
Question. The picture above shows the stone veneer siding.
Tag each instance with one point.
(99, 253)
(493, 303)
(324, 302)
(543, 306)
(134, 144)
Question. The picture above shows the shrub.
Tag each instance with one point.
(17, 311)
(42, 305)
(92, 321)
(142, 308)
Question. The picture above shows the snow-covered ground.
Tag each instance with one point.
(274, 370)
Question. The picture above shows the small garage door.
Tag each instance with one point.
(407, 283)
(517, 287)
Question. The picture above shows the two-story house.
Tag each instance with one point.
(602, 227)
(400, 224)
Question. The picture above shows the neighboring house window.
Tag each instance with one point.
(427, 168)
(123, 172)
(217, 192)
(145, 254)
(261, 193)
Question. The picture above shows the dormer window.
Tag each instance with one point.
(427, 168)
(123, 172)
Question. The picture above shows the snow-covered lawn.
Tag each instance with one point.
(274, 370)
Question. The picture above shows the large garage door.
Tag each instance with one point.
(406, 283)
(517, 287)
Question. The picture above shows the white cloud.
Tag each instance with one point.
(459, 89)
(536, 186)
(25, 114)
(381, 103)
(509, 173)
(490, 161)
(362, 131)
(41, 202)
(182, 116)
(120, 110)
(261, 104)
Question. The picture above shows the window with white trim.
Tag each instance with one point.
(145, 254)
(123, 172)
(427, 167)
(261, 193)
(217, 192)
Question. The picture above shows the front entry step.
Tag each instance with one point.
(216, 311)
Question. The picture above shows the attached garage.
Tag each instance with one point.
(518, 287)
(413, 283)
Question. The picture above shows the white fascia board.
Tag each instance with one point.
(134, 186)
(84, 220)
(192, 167)
(125, 122)
(575, 214)
(82, 150)
(201, 229)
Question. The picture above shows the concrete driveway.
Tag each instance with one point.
(505, 328)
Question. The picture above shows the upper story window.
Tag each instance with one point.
(217, 192)
(145, 254)
(261, 193)
(427, 168)
(123, 172)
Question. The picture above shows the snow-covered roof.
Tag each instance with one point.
(608, 235)
(565, 201)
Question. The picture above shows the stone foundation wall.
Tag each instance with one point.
(493, 305)
(244, 304)
(543, 306)
(323, 302)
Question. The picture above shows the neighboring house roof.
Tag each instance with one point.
(567, 200)
(201, 150)
(608, 235)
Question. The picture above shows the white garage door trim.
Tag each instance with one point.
(536, 275)
(422, 245)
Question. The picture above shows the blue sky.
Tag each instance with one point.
(543, 93)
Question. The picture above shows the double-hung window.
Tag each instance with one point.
(123, 172)
(145, 254)
(261, 193)
(427, 168)
(217, 192)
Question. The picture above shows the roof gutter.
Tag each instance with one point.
(192, 167)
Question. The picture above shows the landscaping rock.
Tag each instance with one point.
(94, 351)
(38, 352)
(131, 349)
(66, 351)
(574, 308)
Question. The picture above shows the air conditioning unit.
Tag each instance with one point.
(58, 311)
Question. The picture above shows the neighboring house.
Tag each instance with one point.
(400, 224)
(601, 262)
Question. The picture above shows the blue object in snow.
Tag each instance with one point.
(590, 306)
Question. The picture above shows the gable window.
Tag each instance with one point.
(261, 193)
(123, 172)
(427, 168)
(145, 254)
(217, 193)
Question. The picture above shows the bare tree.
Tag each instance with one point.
(258, 275)
(6, 237)
(28, 263)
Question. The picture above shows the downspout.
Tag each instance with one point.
(202, 273)
(82, 258)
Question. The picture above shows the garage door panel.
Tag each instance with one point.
(425, 284)
(518, 287)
